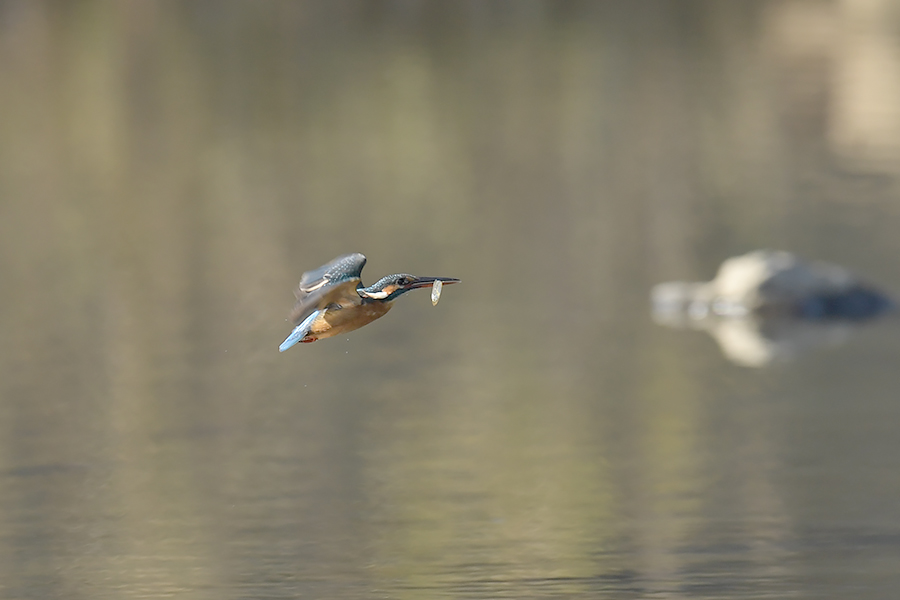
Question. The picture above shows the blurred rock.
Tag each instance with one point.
(768, 306)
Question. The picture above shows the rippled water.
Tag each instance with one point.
(168, 170)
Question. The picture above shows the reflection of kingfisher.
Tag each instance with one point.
(332, 300)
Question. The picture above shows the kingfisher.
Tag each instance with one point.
(332, 300)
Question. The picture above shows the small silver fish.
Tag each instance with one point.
(436, 288)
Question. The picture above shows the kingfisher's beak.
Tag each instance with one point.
(420, 282)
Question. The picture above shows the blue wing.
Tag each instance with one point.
(326, 284)
(339, 270)
(333, 283)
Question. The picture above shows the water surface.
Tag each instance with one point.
(168, 170)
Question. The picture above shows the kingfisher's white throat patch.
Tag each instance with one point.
(374, 295)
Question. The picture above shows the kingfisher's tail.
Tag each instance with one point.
(299, 332)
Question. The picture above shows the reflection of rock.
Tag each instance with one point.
(756, 342)
(768, 306)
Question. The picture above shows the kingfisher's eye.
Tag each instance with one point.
(403, 281)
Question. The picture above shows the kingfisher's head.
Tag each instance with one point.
(391, 287)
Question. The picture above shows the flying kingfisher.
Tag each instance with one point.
(332, 300)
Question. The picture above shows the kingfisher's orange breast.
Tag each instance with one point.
(335, 322)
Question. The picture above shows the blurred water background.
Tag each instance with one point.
(169, 169)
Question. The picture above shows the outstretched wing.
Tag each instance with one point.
(332, 283)
(343, 268)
